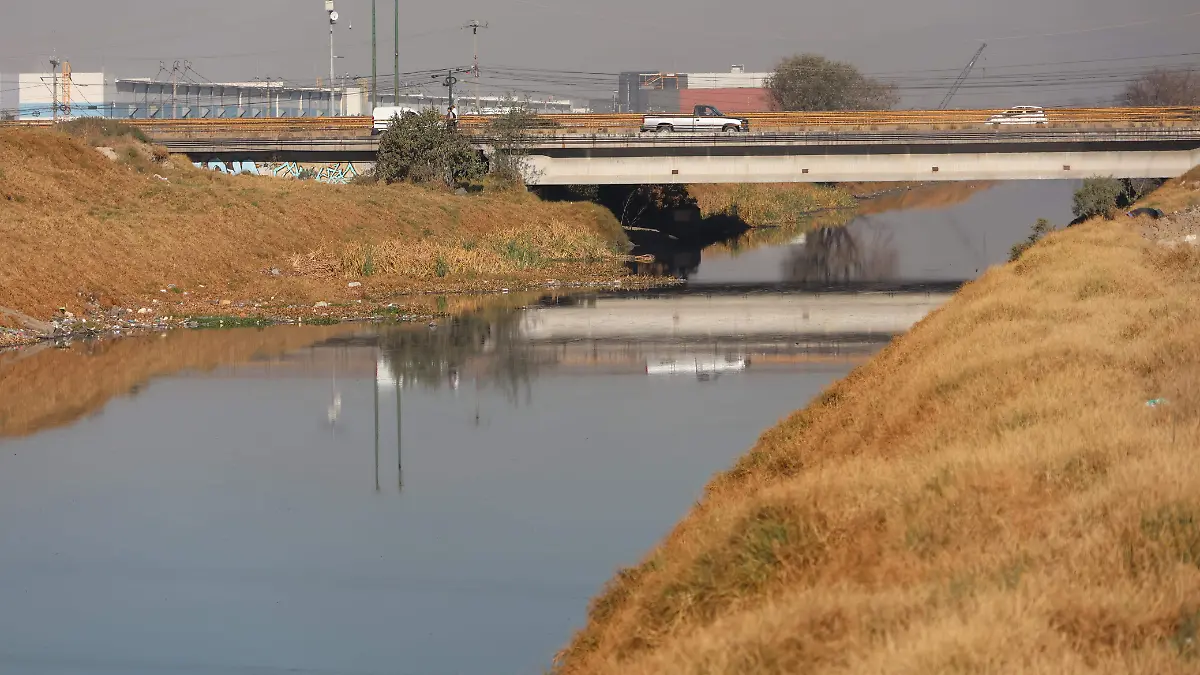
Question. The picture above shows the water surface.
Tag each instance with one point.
(359, 499)
(216, 521)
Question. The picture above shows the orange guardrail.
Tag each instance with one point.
(631, 122)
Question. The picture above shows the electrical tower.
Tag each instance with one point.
(962, 77)
(475, 25)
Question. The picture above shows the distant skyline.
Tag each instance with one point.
(571, 48)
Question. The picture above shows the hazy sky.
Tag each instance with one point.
(243, 39)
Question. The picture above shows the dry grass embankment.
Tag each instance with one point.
(991, 494)
(77, 225)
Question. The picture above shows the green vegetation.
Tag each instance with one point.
(1040, 229)
(1098, 197)
(224, 321)
(423, 149)
(813, 82)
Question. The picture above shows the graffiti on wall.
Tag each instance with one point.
(338, 173)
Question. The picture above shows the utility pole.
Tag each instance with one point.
(174, 89)
(374, 61)
(333, 17)
(450, 80)
(54, 70)
(396, 62)
(475, 25)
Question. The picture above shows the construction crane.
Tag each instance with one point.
(962, 77)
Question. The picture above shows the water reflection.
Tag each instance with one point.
(840, 255)
(480, 481)
(950, 241)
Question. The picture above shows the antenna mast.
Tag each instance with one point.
(962, 77)
(475, 25)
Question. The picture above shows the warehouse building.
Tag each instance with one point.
(31, 96)
(658, 92)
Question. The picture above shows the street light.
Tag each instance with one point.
(333, 17)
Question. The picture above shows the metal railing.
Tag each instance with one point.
(631, 123)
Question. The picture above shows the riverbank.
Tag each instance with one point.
(130, 233)
(1009, 487)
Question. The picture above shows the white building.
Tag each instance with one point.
(31, 96)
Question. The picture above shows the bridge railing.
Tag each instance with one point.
(630, 123)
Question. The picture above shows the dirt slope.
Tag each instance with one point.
(1012, 487)
(77, 225)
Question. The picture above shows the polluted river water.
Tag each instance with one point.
(415, 499)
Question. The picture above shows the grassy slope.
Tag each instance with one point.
(74, 222)
(991, 493)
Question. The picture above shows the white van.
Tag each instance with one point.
(383, 116)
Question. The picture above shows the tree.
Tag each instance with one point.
(812, 82)
(1098, 197)
(423, 149)
(1164, 87)
(509, 135)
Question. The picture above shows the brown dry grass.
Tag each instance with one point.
(990, 494)
(77, 225)
(768, 203)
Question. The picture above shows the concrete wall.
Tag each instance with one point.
(863, 167)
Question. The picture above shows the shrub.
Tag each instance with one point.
(423, 149)
(1040, 229)
(91, 127)
(509, 137)
(1098, 197)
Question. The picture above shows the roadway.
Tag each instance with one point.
(781, 147)
(774, 157)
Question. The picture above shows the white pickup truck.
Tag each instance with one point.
(703, 118)
(384, 114)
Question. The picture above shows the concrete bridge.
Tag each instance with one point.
(786, 157)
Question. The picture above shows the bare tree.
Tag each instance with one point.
(813, 82)
(1161, 87)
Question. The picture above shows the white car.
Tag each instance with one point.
(383, 117)
(1022, 114)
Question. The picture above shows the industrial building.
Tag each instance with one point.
(733, 91)
(32, 96)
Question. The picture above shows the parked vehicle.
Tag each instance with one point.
(384, 114)
(1022, 114)
(703, 118)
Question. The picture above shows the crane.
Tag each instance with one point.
(962, 77)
